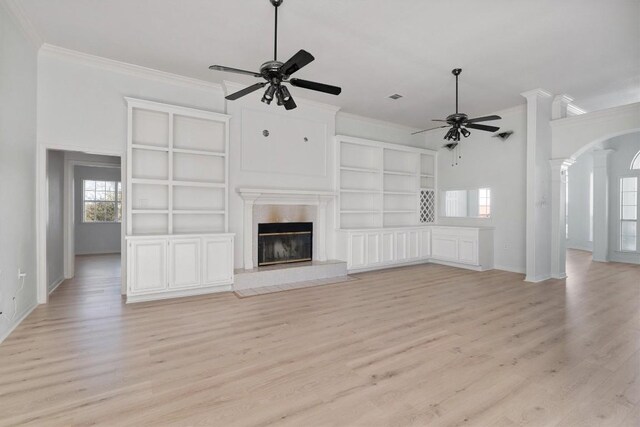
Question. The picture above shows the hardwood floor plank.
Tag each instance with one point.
(419, 345)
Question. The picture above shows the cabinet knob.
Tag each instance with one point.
(265, 133)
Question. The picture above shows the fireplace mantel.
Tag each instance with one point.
(270, 196)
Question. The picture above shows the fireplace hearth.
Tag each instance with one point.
(285, 243)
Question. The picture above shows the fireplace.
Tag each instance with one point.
(284, 242)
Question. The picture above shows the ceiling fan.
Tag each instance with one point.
(460, 123)
(277, 74)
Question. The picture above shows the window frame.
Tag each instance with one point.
(117, 202)
(620, 213)
(487, 200)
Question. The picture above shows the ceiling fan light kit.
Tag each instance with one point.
(460, 123)
(276, 74)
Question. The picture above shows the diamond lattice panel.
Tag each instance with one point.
(427, 206)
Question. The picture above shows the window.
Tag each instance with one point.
(591, 207)
(484, 202)
(628, 213)
(102, 201)
(635, 163)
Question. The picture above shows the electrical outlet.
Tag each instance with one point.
(21, 274)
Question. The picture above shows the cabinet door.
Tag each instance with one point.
(413, 244)
(468, 251)
(357, 250)
(147, 266)
(218, 260)
(388, 249)
(402, 243)
(184, 261)
(425, 244)
(444, 247)
(373, 248)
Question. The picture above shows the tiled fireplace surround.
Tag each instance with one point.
(271, 205)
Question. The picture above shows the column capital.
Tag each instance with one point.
(560, 105)
(536, 93)
(561, 164)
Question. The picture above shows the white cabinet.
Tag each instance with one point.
(369, 249)
(463, 246)
(425, 243)
(147, 271)
(444, 246)
(379, 248)
(172, 266)
(217, 260)
(357, 249)
(184, 257)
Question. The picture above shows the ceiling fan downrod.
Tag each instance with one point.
(276, 4)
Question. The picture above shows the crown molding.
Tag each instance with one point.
(574, 110)
(231, 87)
(16, 12)
(632, 110)
(540, 93)
(377, 121)
(126, 68)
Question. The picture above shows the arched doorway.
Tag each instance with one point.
(571, 137)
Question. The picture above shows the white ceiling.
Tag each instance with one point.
(589, 49)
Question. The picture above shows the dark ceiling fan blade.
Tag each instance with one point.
(426, 130)
(483, 119)
(320, 87)
(296, 62)
(482, 127)
(245, 91)
(290, 104)
(438, 120)
(234, 70)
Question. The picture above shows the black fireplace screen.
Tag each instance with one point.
(284, 242)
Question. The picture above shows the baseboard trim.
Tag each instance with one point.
(56, 284)
(537, 279)
(15, 325)
(97, 253)
(386, 266)
(179, 293)
(459, 265)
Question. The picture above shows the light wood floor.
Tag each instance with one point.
(423, 345)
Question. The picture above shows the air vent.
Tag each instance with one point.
(395, 96)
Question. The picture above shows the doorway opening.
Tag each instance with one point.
(84, 233)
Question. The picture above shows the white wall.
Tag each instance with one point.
(624, 148)
(97, 238)
(579, 221)
(501, 166)
(18, 83)
(81, 98)
(55, 221)
(363, 127)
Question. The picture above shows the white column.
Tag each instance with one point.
(601, 205)
(558, 216)
(538, 236)
(247, 238)
(321, 227)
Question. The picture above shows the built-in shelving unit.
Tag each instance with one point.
(177, 202)
(381, 184)
(178, 170)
